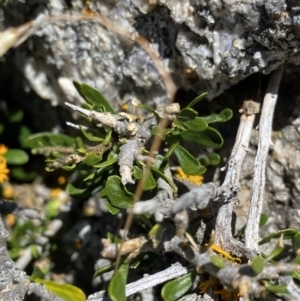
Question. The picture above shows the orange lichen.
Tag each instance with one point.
(3, 149)
(8, 191)
(62, 180)
(55, 192)
(10, 220)
(125, 107)
(195, 179)
(217, 249)
(3, 170)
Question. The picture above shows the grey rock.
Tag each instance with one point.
(207, 45)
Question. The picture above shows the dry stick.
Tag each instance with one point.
(147, 282)
(231, 186)
(265, 131)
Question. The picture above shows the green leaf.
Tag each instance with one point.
(276, 252)
(16, 156)
(164, 177)
(296, 260)
(74, 191)
(257, 264)
(49, 139)
(137, 172)
(276, 289)
(187, 114)
(117, 193)
(52, 208)
(66, 292)
(107, 163)
(209, 137)
(211, 159)
(189, 164)
(112, 210)
(113, 238)
(93, 97)
(170, 150)
(104, 269)
(24, 134)
(296, 241)
(16, 116)
(287, 234)
(107, 139)
(179, 124)
(81, 150)
(196, 125)
(90, 136)
(22, 175)
(34, 251)
(175, 289)
(263, 219)
(37, 273)
(217, 261)
(155, 235)
(149, 182)
(197, 99)
(92, 159)
(223, 116)
(116, 287)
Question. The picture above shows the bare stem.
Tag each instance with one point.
(228, 191)
(265, 131)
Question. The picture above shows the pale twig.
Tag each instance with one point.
(176, 270)
(265, 131)
(231, 186)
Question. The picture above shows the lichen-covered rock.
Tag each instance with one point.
(208, 45)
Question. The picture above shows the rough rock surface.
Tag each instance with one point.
(208, 45)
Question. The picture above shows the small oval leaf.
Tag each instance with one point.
(257, 264)
(189, 164)
(175, 289)
(93, 96)
(149, 182)
(116, 287)
(217, 261)
(155, 235)
(92, 159)
(107, 163)
(90, 136)
(296, 241)
(66, 292)
(209, 137)
(223, 116)
(49, 139)
(16, 157)
(74, 191)
(187, 114)
(117, 193)
(196, 125)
